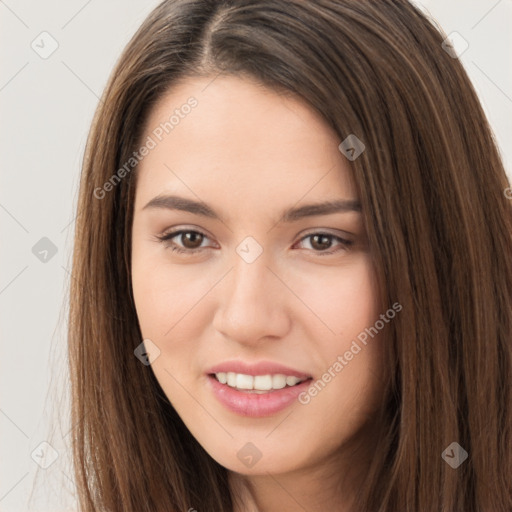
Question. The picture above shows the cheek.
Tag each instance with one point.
(171, 308)
(346, 305)
(166, 295)
(174, 309)
(344, 300)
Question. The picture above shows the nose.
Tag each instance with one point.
(253, 304)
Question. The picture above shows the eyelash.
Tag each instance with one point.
(167, 237)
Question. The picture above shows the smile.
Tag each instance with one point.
(257, 383)
(256, 390)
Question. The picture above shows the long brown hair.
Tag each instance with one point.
(439, 226)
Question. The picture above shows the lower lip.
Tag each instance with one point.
(256, 405)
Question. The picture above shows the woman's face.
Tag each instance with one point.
(245, 286)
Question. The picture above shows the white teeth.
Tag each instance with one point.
(278, 381)
(258, 383)
(291, 381)
(263, 382)
(231, 379)
(244, 381)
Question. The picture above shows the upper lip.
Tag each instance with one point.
(260, 368)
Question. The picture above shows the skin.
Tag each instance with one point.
(250, 153)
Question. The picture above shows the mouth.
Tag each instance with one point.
(257, 384)
(258, 390)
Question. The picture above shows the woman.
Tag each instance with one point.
(292, 279)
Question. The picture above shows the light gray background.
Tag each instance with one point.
(46, 109)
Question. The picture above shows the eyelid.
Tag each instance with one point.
(185, 227)
(327, 231)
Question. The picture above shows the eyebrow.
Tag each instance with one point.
(171, 202)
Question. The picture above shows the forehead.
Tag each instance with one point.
(227, 134)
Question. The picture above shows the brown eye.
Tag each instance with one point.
(321, 242)
(191, 239)
(325, 243)
(186, 241)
